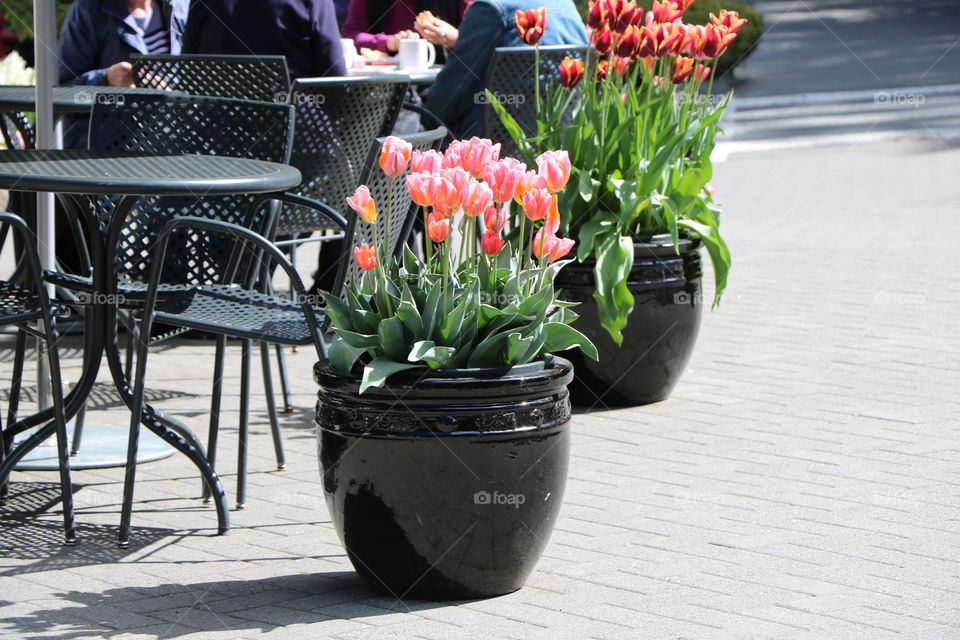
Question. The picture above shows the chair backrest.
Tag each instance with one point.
(510, 79)
(263, 78)
(164, 124)
(337, 121)
(16, 130)
(404, 208)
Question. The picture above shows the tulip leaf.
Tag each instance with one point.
(342, 356)
(614, 300)
(379, 369)
(560, 337)
(391, 339)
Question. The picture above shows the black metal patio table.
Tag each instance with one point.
(75, 174)
(73, 99)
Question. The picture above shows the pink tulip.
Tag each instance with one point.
(551, 246)
(477, 153)
(554, 169)
(503, 177)
(495, 219)
(426, 161)
(475, 197)
(491, 243)
(363, 204)
(438, 226)
(418, 184)
(451, 157)
(444, 192)
(537, 203)
(529, 180)
(457, 175)
(395, 156)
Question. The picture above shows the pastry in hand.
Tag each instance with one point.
(424, 18)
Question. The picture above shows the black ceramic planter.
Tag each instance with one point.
(660, 333)
(446, 486)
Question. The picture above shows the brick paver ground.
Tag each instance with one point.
(802, 482)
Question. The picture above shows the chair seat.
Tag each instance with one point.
(234, 311)
(131, 292)
(17, 304)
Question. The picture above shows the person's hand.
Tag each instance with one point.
(440, 33)
(120, 75)
(393, 42)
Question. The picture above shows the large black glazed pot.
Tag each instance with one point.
(660, 333)
(445, 486)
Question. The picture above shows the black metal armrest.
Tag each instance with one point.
(301, 201)
(416, 108)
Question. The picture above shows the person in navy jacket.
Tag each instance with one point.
(305, 31)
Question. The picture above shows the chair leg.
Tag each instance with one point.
(78, 423)
(16, 385)
(284, 379)
(56, 392)
(272, 406)
(216, 397)
(244, 423)
(131, 341)
(133, 442)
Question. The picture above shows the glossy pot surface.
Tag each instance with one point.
(448, 486)
(660, 334)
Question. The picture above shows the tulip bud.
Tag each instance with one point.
(571, 72)
(602, 39)
(438, 226)
(531, 24)
(491, 243)
(365, 256)
(554, 169)
(395, 156)
(363, 204)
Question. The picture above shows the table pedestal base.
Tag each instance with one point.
(103, 446)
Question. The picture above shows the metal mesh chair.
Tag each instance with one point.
(263, 78)
(510, 74)
(24, 305)
(404, 208)
(337, 120)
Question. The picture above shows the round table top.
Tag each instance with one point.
(116, 173)
(75, 99)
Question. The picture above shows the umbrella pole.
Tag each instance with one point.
(45, 57)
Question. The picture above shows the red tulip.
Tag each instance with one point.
(475, 197)
(438, 226)
(363, 204)
(491, 243)
(714, 41)
(628, 43)
(366, 256)
(621, 67)
(603, 66)
(395, 156)
(571, 72)
(596, 14)
(554, 169)
(666, 11)
(602, 39)
(627, 14)
(426, 161)
(531, 24)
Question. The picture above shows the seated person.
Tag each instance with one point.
(380, 25)
(489, 24)
(99, 37)
(305, 31)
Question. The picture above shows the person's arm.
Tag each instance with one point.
(356, 25)
(461, 80)
(79, 49)
(325, 36)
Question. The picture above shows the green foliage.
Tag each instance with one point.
(19, 19)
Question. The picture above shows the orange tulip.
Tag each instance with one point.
(729, 19)
(554, 168)
(666, 11)
(547, 244)
(491, 243)
(438, 226)
(531, 24)
(603, 67)
(363, 204)
(529, 180)
(366, 256)
(395, 156)
(682, 68)
(571, 72)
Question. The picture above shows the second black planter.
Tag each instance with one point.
(445, 486)
(660, 333)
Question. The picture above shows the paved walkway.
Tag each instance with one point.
(802, 482)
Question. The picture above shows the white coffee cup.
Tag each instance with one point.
(350, 56)
(416, 54)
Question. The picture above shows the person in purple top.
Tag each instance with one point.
(380, 25)
(305, 31)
